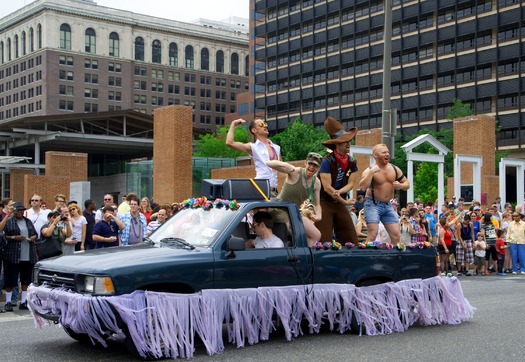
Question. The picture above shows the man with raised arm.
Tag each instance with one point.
(380, 182)
(261, 151)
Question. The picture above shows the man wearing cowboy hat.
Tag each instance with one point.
(261, 151)
(337, 175)
(380, 181)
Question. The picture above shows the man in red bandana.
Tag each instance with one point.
(337, 175)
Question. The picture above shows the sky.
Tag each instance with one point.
(181, 10)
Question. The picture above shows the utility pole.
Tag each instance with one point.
(388, 125)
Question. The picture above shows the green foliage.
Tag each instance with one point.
(214, 145)
(298, 139)
(459, 109)
(425, 185)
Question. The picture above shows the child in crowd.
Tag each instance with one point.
(500, 249)
(479, 254)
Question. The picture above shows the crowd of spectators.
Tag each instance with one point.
(463, 235)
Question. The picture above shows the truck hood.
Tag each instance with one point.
(99, 260)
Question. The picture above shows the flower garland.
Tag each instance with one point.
(371, 245)
(203, 202)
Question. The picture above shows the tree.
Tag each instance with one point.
(459, 109)
(298, 139)
(214, 145)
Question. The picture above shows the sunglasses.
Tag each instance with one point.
(72, 209)
(107, 199)
(35, 200)
(262, 124)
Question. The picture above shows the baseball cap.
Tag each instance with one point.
(476, 208)
(314, 158)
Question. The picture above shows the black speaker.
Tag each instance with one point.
(240, 189)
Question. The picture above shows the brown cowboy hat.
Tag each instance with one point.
(337, 133)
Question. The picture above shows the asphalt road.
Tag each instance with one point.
(495, 332)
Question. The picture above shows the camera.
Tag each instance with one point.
(63, 218)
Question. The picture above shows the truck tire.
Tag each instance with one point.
(80, 337)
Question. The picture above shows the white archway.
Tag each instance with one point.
(520, 168)
(426, 157)
(360, 150)
(477, 163)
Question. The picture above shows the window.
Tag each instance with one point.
(65, 75)
(246, 66)
(205, 59)
(65, 60)
(140, 84)
(90, 64)
(90, 41)
(219, 62)
(174, 76)
(115, 67)
(189, 56)
(173, 56)
(235, 64)
(39, 36)
(156, 52)
(64, 105)
(140, 71)
(66, 90)
(91, 78)
(157, 73)
(31, 40)
(90, 93)
(115, 81)
(139, 48)
(114, 45)
(24, 49)
(65, 37)
(114, 96)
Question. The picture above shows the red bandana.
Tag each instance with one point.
(342, 160)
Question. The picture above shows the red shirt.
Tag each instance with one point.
(499, 244)
(448, 237)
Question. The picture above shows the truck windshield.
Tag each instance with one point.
(197, 227)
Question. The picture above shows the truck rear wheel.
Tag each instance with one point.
(80, 337)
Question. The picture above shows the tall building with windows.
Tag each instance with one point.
(319, 58)
(65, 56)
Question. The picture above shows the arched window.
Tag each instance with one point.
(24, 49)
(156, 52)
(173, 55)
(189, 56)
(90, 41)
(8, 49)
(65, 37)
(39, 36)
(16, 46)
(31, 40)
(246, 66)
(139, 48)
(205, 59)
(2, 60)
(114, 45)
(219, 62)
(234, 66)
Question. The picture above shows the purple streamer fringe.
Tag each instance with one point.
(165, 324)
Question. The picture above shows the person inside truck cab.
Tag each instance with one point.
(262, 226)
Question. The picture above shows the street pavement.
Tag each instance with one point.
(495, 332)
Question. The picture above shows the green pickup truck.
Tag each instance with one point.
(200, 248)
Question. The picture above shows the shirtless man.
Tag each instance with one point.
(380, 181)
(261, 151)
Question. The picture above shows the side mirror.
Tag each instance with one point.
(234, 244)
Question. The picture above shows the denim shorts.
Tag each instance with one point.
(380, 211)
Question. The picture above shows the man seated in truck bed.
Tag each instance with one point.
(262, 225)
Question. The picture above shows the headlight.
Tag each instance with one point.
(99, 285)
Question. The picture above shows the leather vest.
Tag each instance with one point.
(352, 163)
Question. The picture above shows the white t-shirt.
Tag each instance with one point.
(271, 242)
(38, 220)
(76, 228)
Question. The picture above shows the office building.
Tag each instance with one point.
(325, 58)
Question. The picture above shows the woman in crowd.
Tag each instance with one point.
(78, 226)
(489, 230)
(407, 230)
(145, 209)
(444, 245)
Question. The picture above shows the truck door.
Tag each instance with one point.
(264, 266)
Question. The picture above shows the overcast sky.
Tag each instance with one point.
(182, 10)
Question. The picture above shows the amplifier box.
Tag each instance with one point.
(240, 189)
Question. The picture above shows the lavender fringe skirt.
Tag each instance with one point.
(165, 324)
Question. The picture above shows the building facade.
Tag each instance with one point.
(325, 58)
(60, 56)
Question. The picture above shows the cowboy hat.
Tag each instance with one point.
(337, 133)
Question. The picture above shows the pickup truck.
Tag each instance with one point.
(200, 248)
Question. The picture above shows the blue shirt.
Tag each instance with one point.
(106, 230)
(325, 168)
